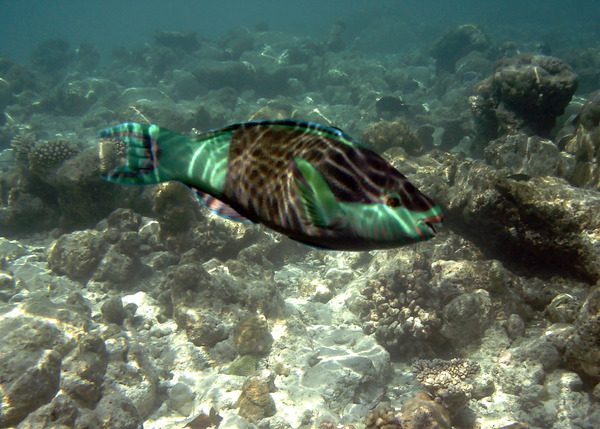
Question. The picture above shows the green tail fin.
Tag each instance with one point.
(145, 147)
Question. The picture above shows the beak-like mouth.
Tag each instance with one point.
(431, 227)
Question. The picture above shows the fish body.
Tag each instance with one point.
(313, 183)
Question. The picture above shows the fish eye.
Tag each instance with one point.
(393, 202)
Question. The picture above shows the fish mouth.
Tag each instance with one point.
(431, 227)
(434, 221)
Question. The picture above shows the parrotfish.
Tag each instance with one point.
(313, 183)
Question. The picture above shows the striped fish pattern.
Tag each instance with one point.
(314, 184)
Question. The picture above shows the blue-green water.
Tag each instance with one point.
(131, 307)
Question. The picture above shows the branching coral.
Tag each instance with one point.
(48, 154)
(399, 313)
(22, 144)
(449, 380)
(109, 151)
(41, 155)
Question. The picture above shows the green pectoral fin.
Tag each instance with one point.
(320, 205)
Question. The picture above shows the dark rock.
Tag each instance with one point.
(236, 42)
(527, 92)
(177, 210)
(117, 267)
(201, 329)
(186, 42)
(77, 255)
(30, 389)
(20, 78)
(76, 97)
(548, 223)
(220, 74)
(62, 412)
(82, 195)
(585, 144)
(385, 135)
(86, 57)
(112, 310)
(255, 401)
(467, 313)
(582, 352)
(531, 155)
(251, 335)
(586, 61)
(83, 371)
(117, 411)
(51, 56)
(457, 43)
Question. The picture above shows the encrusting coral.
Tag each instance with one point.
(255, 401)
(252, 335)
(384, 135)
(583, 346)
(420, 412)
(244, 365)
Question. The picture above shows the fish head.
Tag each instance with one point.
(399, 215)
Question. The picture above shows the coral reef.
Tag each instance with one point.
(533, 156)
(244, 365)
(527, 92)
(49, 154)
(255, 401)
(123, 307)
(384, 135)
(22, 144)
(251, 335)
(397, 308)
(583, 345)
(41, 155)
(584, 144)
(418, 412)
(449, 381)
(457, 43)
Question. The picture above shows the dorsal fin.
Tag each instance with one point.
(309, 127)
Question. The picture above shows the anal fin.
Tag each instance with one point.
(217, 206)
